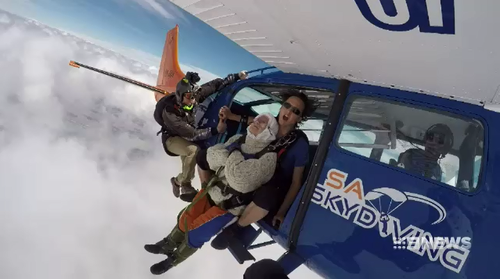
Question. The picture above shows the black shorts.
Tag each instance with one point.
(271, 195)
(201, 160)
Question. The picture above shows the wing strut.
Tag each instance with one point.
(129, 80)
(169, 74)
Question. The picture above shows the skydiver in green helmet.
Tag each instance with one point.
(175, 114)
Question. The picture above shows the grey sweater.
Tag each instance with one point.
(242, 175)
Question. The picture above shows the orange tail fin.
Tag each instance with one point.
(170, 72)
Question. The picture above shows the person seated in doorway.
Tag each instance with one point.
(273, 199)
(240, 166)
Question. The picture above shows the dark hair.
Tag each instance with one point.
(309, 104)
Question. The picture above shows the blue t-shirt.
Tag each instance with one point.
(296, 156)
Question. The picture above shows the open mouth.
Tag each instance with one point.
(285, 118)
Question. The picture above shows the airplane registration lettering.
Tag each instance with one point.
(431, 16)
(393, 12)
(350, 200)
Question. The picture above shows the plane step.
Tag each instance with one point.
(239, 244)
(239, 251)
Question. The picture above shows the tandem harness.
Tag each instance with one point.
(238, 199)
(279, 146)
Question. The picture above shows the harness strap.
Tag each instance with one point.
(223, 138)
(225, 189)
(243, 119)
(237, 200)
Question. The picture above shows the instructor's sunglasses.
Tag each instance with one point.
(189, 95)
(295, 110)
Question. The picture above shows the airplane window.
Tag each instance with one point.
(354, 139)
(449, 164)
(247, 95)
(265, 99)
(313, 128)
(437, 145)
(273, 108)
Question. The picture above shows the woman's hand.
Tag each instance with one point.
(221, 127)
(225, 113)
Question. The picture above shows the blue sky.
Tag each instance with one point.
(141, 25)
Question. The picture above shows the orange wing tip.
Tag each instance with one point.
(73, 64)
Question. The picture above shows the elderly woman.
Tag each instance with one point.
(241, 166)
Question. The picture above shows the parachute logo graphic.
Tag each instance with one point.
(396, 199)
(375, 209)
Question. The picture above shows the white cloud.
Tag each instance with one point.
(163, 8)
(83, 178)
(4, 19)
(204, 75)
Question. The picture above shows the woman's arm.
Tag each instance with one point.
(217, 154)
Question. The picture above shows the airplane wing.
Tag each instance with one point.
(439, 47)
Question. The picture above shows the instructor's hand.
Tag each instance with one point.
(243, 75)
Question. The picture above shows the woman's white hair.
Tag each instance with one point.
(272, 127)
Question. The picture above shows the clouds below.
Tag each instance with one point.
(83, 177)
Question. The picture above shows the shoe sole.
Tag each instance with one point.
(176, 189)
(161, 252)
(188, 197)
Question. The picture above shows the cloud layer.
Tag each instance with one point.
(84, 181)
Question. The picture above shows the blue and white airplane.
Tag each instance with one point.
(397, 80)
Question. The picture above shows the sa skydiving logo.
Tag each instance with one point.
(374, 210)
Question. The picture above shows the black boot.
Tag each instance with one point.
(183, 252)
(168, 244)
(162, 267)
(221, 241)
(188, 192)
(156, 248)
